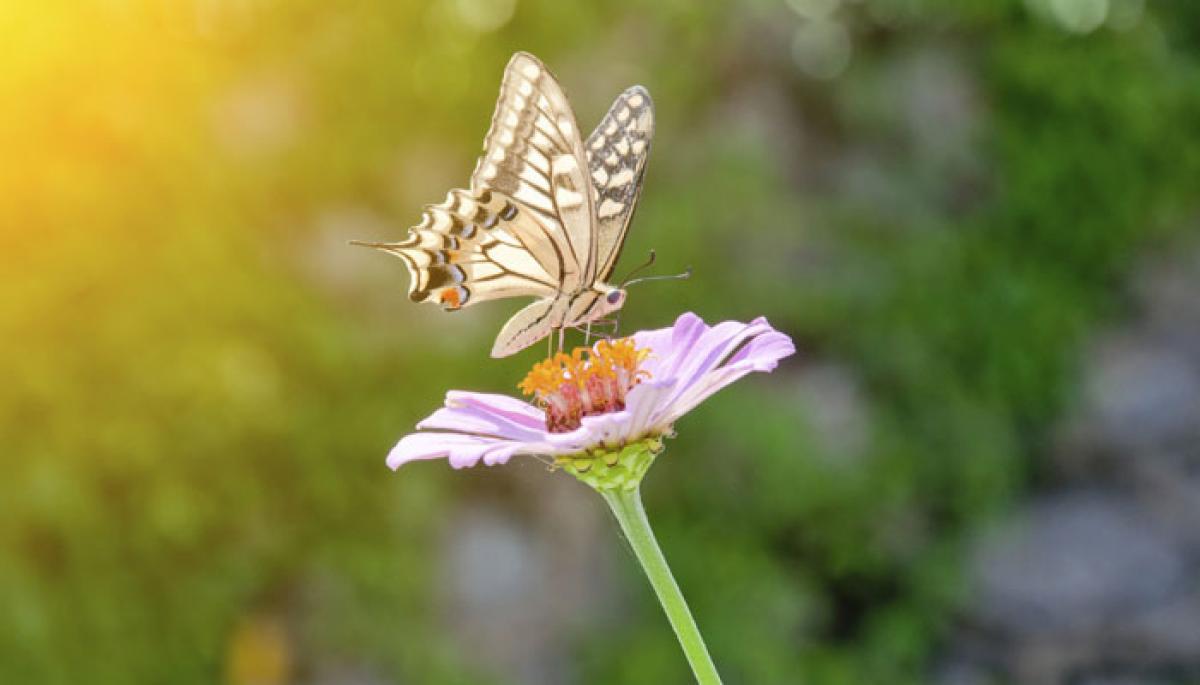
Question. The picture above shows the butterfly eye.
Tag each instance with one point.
(615, 296)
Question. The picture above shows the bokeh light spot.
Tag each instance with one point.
(1079, 16)
(259, 653)
(485, 15)
(813, 9)
(821, 48)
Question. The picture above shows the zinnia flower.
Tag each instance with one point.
(600, 413)
(598, 401)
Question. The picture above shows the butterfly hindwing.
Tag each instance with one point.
(529, 325)
(617, 152)
(476, 247)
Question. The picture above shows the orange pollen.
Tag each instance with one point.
(587, 382)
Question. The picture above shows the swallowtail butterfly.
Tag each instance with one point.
(545, 215)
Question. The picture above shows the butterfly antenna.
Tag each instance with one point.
(687, 273)
(645, 265)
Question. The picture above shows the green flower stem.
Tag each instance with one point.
(626, 504)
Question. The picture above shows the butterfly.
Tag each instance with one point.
(545, 216)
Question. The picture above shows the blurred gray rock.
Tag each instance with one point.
(494, 573)
(1122, 680)
(1072, 564)
(1169, 632)
(515, 579)
(1137, 425)
(346, 674)
(1169, 292)
(918, 152)
(492, 561)
(836, 410)
(1093, 582)
(940, 105)
(1168, 486)
(1139, 395)
(961, 671)
(869, 178)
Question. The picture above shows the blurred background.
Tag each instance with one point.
(978, 220)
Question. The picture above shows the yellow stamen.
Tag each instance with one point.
(605, 360)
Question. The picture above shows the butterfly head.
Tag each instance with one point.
(611, 300)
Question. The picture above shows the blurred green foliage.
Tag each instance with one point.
(201, 380)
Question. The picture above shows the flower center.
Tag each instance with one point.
(589, 381)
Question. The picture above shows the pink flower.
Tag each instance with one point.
(604, 397)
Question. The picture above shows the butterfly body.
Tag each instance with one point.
(545, 216)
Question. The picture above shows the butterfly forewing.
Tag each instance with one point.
(534, 155)
(617, 152)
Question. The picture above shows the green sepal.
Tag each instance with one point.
(620, 469)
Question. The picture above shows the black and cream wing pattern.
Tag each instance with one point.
(617, 152)
(545, 215)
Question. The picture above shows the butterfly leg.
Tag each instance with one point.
(587, 331)
(587, 328)
(587, 334)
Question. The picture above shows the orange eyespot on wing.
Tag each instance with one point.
(452, 298)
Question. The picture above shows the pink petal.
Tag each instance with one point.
(647, 405)
(708, 385)
(765, 351)
(516, 410)
(475, 427)
(607, 429)
(484, 417)
(669, 346)
(462, 450)
(721, 355)
(659, 342)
